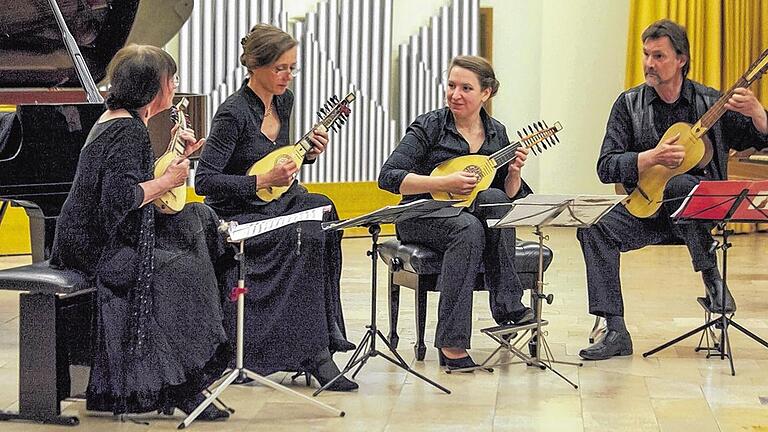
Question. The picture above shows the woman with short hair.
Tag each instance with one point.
(159, 334)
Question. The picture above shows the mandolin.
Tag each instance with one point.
(645, 200)
(535, 137)
(174, 200)
(332, 116)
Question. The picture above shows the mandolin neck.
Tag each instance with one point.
(505, 155)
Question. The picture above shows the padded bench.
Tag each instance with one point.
(417, 267)
(56, 330)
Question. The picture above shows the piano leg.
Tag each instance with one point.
(41, 233)
(43, 378)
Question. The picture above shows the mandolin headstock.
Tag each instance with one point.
(335, 112)
(539, 137)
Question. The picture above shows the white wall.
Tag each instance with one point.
(584, 47)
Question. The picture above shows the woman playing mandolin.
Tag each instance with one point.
(293, 320)
(159, 334)
(462, 128)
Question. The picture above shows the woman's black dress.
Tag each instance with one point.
(293, 272)
(160, 337)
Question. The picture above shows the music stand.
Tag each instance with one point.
(721, 202)
(578, 211)
(366, 348)
(239, 234)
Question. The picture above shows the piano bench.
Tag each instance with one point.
(417, 267)
(56, 329)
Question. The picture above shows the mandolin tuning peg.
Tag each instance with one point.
(335, 99)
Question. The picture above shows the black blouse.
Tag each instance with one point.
(101, 210)
(234, 143)
(432, 139)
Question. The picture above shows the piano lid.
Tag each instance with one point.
(32, 53)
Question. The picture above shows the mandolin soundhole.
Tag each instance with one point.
(474, 169)
(282, 159)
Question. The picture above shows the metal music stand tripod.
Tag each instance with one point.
(721, 202)
(366, 348)
(540, 211)
(239, 293)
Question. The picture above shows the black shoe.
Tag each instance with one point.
(324, 370)
(613, 344)
(210, 413)
(520, 317)
(453, 364)
(337, 342)
(714, 285)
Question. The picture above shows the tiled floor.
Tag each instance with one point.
(676, 389)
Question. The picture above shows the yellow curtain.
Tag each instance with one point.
(702, 20)
(726, 36)
(745, 36)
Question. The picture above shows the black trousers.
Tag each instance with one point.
(619, 231)
(466, 242)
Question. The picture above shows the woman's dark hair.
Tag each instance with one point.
(263, 45)
(676, 34)
(136, 74)
(481, 68)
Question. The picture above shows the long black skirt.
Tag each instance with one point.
(292, 279)
(187, 346)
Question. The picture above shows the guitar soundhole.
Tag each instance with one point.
(474, 169)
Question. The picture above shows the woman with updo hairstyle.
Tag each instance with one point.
(160, 338)
(293, 318)
(463, 127)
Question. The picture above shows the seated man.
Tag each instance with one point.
(639, 117)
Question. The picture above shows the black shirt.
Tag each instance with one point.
(234, 143)
(618, 156)
(432, 139)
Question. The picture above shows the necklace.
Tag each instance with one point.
(268, 112)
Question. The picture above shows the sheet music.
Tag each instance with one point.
(392, 214)
(245, 231)
(557, 210)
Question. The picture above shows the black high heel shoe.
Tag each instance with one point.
(324, 370)
(453, 364)
(337, 342)
(210, 413)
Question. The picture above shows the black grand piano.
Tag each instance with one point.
(40, 142)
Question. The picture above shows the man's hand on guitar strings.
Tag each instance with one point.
(668, 153)
(744, 101)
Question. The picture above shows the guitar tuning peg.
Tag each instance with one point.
(541, 127)
(319, 114)
(533, 149)
(519, 134)
(556, 138)
(536, 126)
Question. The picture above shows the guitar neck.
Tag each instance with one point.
(717, 110)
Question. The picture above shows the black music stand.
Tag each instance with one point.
(539, 211)
(721, 202)
(239, 234)
(366, 348)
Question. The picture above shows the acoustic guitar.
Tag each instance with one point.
(332, 116)
(645, 200)
(538, 137)
(174, 200)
